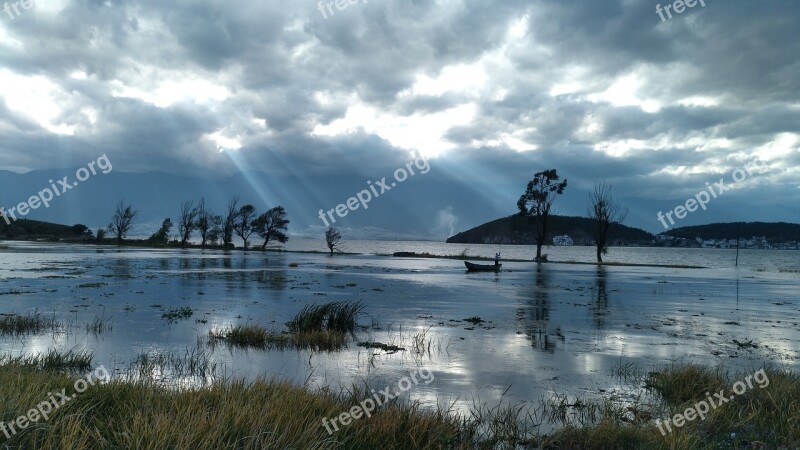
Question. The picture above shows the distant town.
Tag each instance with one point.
(755, 242)
(665, 240)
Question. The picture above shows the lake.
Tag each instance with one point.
(555, 328)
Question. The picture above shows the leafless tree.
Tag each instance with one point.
(606, 211)
(230, 222)
(122, 221)
(186, 222)
(332, 238)
(206, 221)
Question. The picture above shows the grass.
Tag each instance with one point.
(14, 324)
(224, 415)
(99, 325)
(759, 418)
(229, 413)
(335, 316)
(259, 337)
(323, 327)
(71, 361)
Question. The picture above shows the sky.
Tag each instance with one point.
(297, 96)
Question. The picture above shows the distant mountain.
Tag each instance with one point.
(774, 232)
(517, 230)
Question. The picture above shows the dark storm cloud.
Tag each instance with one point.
(600, 90)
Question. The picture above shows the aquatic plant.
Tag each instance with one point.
(15, 324)
(335, 316)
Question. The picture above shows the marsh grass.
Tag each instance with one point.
(228, 413)
(759, 418)
(14, 324)
(259, 337)
(99, 325)
(224, 415)
(193, 366)
(335, 316)
(70, 361)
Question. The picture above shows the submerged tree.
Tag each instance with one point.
(605, 211)
(272, 225)
(243, 224)
(537, 201)
(230, 222)
(122, 221)
(332, 238)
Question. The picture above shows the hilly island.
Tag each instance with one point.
(517, 230)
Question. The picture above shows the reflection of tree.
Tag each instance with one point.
(121, 269)
(537, 314)
(277, 280)
(599, 306)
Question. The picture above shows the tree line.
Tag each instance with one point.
(212, 229)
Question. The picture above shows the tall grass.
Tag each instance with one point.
(276, 414)
(335, 316)
(14, 324)
(257, 336)
(71, 361)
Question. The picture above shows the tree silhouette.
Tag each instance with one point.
(272, 225)
(332, 238)
(605, 210)
(122, 221)
(243, 225)
(536, 202)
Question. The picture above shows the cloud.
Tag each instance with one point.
(493, 91)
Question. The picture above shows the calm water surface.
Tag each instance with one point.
(556, 328)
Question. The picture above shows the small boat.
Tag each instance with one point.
(482, 267)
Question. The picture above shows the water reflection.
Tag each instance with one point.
(536, 315)
(599, 306)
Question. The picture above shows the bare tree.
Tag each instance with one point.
(122, 221)
(230, 222)
(186, 222)
(206, 221)
(243, 225)
(272, 225)
(606, 211)
(332, 238)
(536, 202)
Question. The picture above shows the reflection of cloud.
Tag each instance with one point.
(446, 220)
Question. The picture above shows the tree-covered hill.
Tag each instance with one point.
(518, 230)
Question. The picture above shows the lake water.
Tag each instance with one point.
(555, 328)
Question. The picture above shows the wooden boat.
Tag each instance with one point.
(482, 267)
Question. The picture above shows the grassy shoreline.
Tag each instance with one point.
(266, 413)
